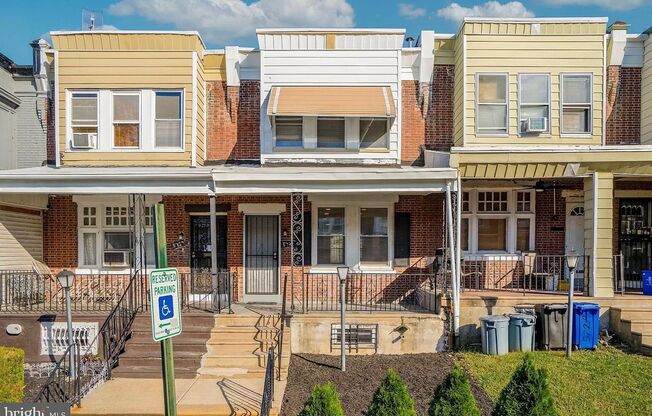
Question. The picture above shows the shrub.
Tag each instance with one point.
(453, 397)
(526, 394)
(392, 398)
(323, 401)
(12, 375)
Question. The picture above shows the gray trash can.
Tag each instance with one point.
(521, 332)
(552, 321)
(495, 334)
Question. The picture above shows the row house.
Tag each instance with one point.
(467, 164)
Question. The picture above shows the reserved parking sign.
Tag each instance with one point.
(164, 296)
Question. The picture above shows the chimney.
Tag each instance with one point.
(617, 42)
(40, 63)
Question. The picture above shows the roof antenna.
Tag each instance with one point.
(410, 41)
(91, 20)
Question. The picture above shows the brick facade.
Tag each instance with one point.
(60, 233)
(435, 130)
(550, 222)
(233, 121)
(623, 124)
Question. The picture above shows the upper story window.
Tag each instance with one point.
(374, 133)
(577, 104)
(84, 118)
(492, 103)
(534, 103)
(116, 120)
(126, 119)
(288, 131)
(330, 132)
(167, 121)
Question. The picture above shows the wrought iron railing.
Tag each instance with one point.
(282, 324)
(199, 294)
(369, 291)
(63, 384)
(627, 274)
(29, 291)
(523, 273)
(268, 385)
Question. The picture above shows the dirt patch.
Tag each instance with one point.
(422, 373)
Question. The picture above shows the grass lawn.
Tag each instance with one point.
(603, 382)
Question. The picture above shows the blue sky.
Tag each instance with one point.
(233, 21)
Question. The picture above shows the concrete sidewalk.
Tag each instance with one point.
(131, 396)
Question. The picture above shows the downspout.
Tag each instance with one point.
(454, 287)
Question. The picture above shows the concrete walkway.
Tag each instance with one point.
(131, 396)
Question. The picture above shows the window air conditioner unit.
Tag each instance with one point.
(536, 124)
(116, 258)
(84, 140)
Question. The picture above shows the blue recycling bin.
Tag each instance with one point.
(586, 325)
(647, 282)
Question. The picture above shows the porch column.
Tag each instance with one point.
(450, 226)
(598, 229)
(214, 280)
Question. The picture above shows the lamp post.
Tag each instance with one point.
(571, 263)
(66, 279)
(342, 272)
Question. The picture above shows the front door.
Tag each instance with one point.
(200, 251)
(261, 253)
(575, 238)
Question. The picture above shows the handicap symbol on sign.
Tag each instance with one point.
(165, 307)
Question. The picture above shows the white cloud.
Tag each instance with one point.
(410, 11)
(607, 4)
(457, 13)
(225, 20)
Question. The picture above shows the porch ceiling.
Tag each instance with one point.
(284, 180)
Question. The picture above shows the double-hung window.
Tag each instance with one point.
(330, 236)
(167, 119)
(126, 119)
(576, 104)
(84, 120)
(374, 237)
(492, 109)
(534, 103)
(288, 131)
(492, 221)
(373, 133)
(330, 132)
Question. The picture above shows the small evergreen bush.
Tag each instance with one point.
(453, 397)
(526, 394)
(392, 398)
(323, 401)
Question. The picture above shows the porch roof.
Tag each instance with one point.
(107, 180)
(331, 179)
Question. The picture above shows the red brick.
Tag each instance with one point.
(623, 124)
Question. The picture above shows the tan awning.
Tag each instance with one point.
(331, 101)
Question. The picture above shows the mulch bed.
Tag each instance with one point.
(422, 373)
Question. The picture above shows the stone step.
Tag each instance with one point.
(155, 362)
(636, 314)
(639, 325)
(151, 371)
(239, 360)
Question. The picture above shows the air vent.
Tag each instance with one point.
(358, 337)
(54, 337)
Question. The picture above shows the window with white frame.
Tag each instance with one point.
(374, 236)
(331, 235)
(534, 103)
(374, 133)
(84, 120)
(121, 120)
(126, 119)
(330, 132)
(288, 131)
(105, 237)
(492, 103)
(576, 104)
(498, 221)
(167, 119)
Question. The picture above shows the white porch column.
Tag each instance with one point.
(453, 251)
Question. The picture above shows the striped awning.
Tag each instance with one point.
(331, 101)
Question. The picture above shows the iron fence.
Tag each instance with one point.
(199, 291)
(627, 274)
(528, 272)
(369, 291)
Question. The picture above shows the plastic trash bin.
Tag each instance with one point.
(647, 282)
(552, 326)
(495, 334)
(586, 325)
(521, 332)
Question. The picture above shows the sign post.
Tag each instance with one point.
(165, 309)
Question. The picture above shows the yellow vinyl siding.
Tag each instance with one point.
(201, 105)
(646, 94)
(600, 246)
(458, 93)
(215, 67)
(124, 41)
(513, 48)
(445, 51)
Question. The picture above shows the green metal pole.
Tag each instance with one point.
(167, 355)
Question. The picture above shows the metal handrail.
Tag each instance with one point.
(268, 386)
(282, 329)
(63, 384)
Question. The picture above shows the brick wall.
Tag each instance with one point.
(233, 121)
(60, 233)
(623, 124)
(426, 224)
(435, 130)
(550, 234)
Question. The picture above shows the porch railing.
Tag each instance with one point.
(199, 294)
(523, 273)
(627, 274)
(63, 385)
(370, 291)
(268, 385)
